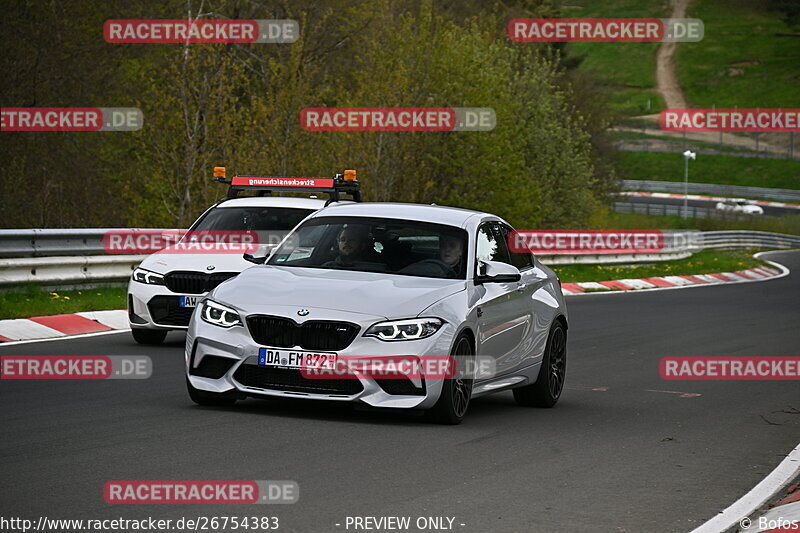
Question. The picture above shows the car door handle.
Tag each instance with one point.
(521, 287)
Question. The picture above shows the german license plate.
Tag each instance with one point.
(294, 359)
(189, 301)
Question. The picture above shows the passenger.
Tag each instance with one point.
(451, 251)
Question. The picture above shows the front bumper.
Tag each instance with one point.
(222, 360)
(157, 307)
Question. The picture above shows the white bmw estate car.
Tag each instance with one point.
(166, 287)
(383, 281)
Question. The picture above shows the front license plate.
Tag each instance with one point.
(189, 301)
(292, 359)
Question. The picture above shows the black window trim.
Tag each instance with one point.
(509, 229)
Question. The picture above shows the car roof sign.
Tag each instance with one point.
(345, 183)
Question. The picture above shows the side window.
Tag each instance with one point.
(490, 246)
(521, 260)
(502, 244)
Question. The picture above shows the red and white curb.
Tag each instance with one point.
(783, 516)
(674, 282)
(765, 203)
(50, 327)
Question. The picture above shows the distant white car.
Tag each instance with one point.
(741, 206)
(167, 286)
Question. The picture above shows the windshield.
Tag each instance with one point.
(377, 245)
(251, 219)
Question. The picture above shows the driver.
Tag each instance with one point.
(353, 243)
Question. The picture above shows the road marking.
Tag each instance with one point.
(758, 495)
(680, 394)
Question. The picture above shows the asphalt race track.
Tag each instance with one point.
(624, 451)
(769, 211)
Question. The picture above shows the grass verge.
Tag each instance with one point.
(626, 70)
(721, 169)
(34, 301)
(705, 262)
(605, 219)
(746, 59)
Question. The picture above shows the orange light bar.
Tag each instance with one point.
(350, 175)
(219, 172)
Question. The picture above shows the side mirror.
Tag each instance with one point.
(496, 272)
(259, 255)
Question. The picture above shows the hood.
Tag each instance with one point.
(369, 293)
(167, 261)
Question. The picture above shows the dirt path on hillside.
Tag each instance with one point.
(669, 87)
(666, 77)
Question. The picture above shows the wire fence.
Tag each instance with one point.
(736, 191)
(678, 210)
(644, 138)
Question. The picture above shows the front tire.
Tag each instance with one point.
(456, 391)
(149, 336)
(210, 399)
(547, 389)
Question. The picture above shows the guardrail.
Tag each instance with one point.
(749, 239)
(736, 191)
(56, 242)
(68, 270)
(692, 211)
(79, 262)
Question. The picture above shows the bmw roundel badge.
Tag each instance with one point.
(302, 312)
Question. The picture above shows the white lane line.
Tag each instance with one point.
(783, 271)
(65, 337)
(758, 495)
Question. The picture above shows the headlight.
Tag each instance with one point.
(145, 276)
(404, 330)
(219, 315)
